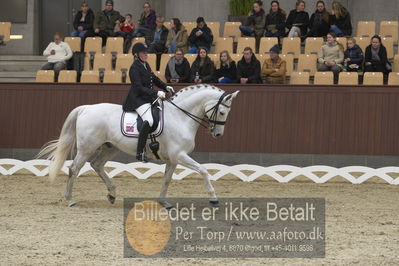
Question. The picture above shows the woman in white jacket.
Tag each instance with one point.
(58, 53)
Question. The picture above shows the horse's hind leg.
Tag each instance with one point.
(169, 169)
(107, 152)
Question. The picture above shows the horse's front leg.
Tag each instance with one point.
(169, 169)
(188, 162)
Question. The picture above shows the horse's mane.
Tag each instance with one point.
(187, 91)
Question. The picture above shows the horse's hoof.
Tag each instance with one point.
(214, 203)
(166, 205)
(71, 203)
(111, 198)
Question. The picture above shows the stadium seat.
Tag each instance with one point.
(124, 61)
(136, 40)
(389, 29)
(215, 28)
(112, 76)
(90, 76)
(191, 58)
(93, 44)
(67, 76)
(114, 44)
(313, 45)
(164, 62)
(102, 61)
(128, 81)
(45, 76)
(152, 61)
(266, 43)
(299, 78)
(160, 75)
(236, 57)
(224, 44)
(307, 63)
(342, 41)
(189, 26)
(395, 66)
(373, 78)
(365, 29)
(5, 30)
(388, 43)
(292, 46)
(246, 42)
(324, 78)
(232, 29)
(393, 78)
(348, 78)
(74, 43)
(363, 42)
(262, 58)
(289, 59)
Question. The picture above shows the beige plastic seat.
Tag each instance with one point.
(90, 76)
(365, 29)
(164, 62)
(45, 76)
(215, 28)
(292, 46)
(152, 61)
(389, 29)
(93, 44)
(324, 78)
(246, 42)
(342, 41)
(224, 44)
(189, 26)
(190, 58)
(313, 45)
(289, 59)
(214, 58)
(307, 63)
(160, 75)
(266, 43)
(232, 29)
(373, 78)
(67, 76)
(393, 79)
(102, 61)
(5, 30)
(262, 58)
(363, 42)
(388, 43)
(114, 44)
(124, 61)
(136, 40)
(299, 78)
(74, 43)
(395, 66)
(112, 76)
(348, 78)
(236, 57)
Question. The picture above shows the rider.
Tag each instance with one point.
(142, 94)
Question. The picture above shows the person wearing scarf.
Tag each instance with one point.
(275, 21)
(254, 25)
(178, 68)
(376, 59)
(319, 24)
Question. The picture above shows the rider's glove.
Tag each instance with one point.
(170, 90)
(161, 95)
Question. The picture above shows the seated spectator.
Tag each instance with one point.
(146, 22)
(274, 68)
(156, 38)
(248, 68)
(254, 25)
(298, 20)
(319, 24)
(126, 30)
(275, 21)
(353, 56)
(201, 36)
(178, 68)
(83, 21)
(331, 56)
(177, 37)
(341, 23)
(202, 69)
(58, 53)
(376, 59)
(106, 20)
(226, 70)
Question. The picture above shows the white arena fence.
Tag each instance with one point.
(317, 173)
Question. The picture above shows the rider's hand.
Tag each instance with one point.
(161, 94)
(170, 90)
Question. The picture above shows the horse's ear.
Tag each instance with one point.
(235, 94)
(231, 96)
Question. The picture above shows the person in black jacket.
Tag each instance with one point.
(340, 20)
(203, 68)
(353, 56)
(248, 68)
(156, 39)
(319, 24)
(275, 21)
(226, 71)
(298, 20)
(376, 59)
(201, 36)
(178, 68)
(83, 21)
(142, 94)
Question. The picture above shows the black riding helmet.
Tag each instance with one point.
(138, 48)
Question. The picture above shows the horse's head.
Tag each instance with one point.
(217, 113)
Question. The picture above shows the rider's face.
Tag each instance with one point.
(143, 56)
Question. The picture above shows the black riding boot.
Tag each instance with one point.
(145, 129)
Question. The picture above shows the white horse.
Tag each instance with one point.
(89, 128)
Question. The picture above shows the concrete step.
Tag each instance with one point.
(23, 63)
(22, 58)
(18, 76)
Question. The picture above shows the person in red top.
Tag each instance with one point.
(126, 30)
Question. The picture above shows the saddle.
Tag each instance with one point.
(131, 123)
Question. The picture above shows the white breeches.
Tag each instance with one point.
(294, 32)
(145, 112)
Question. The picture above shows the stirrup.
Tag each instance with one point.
(142, 158)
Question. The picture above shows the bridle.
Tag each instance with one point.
(211, 122)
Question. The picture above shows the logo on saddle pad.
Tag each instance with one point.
(131, 123)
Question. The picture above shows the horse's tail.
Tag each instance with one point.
(58, 150)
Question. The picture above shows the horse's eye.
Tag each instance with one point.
(221, 113)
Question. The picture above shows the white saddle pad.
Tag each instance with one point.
(129, 125)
